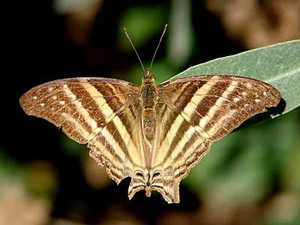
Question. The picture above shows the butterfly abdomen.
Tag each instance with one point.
(149, 113)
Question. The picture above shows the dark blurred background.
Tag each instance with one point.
(249, 177)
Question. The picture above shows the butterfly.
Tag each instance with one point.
(152, 133)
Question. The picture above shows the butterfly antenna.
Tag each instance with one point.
(161, 37)
(125, 31)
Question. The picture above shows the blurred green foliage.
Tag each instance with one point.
(136, 21)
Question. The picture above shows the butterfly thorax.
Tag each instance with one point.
(148, 92)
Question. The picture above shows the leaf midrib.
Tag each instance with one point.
(280, 76)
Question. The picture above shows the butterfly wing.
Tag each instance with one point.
(196, 111)
(97, 111)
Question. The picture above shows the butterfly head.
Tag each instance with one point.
(148, 77)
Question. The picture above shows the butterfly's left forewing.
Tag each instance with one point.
(196, 111)
(98, 111)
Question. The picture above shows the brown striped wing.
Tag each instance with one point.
(196, 111)
(97, 111)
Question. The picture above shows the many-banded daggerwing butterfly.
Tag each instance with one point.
(152, 133)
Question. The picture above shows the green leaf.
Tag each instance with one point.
(278, 65)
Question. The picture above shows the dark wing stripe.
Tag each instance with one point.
(179, 98)
(207, 102)
(179, 102)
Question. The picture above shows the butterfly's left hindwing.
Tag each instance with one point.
(97, 111)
